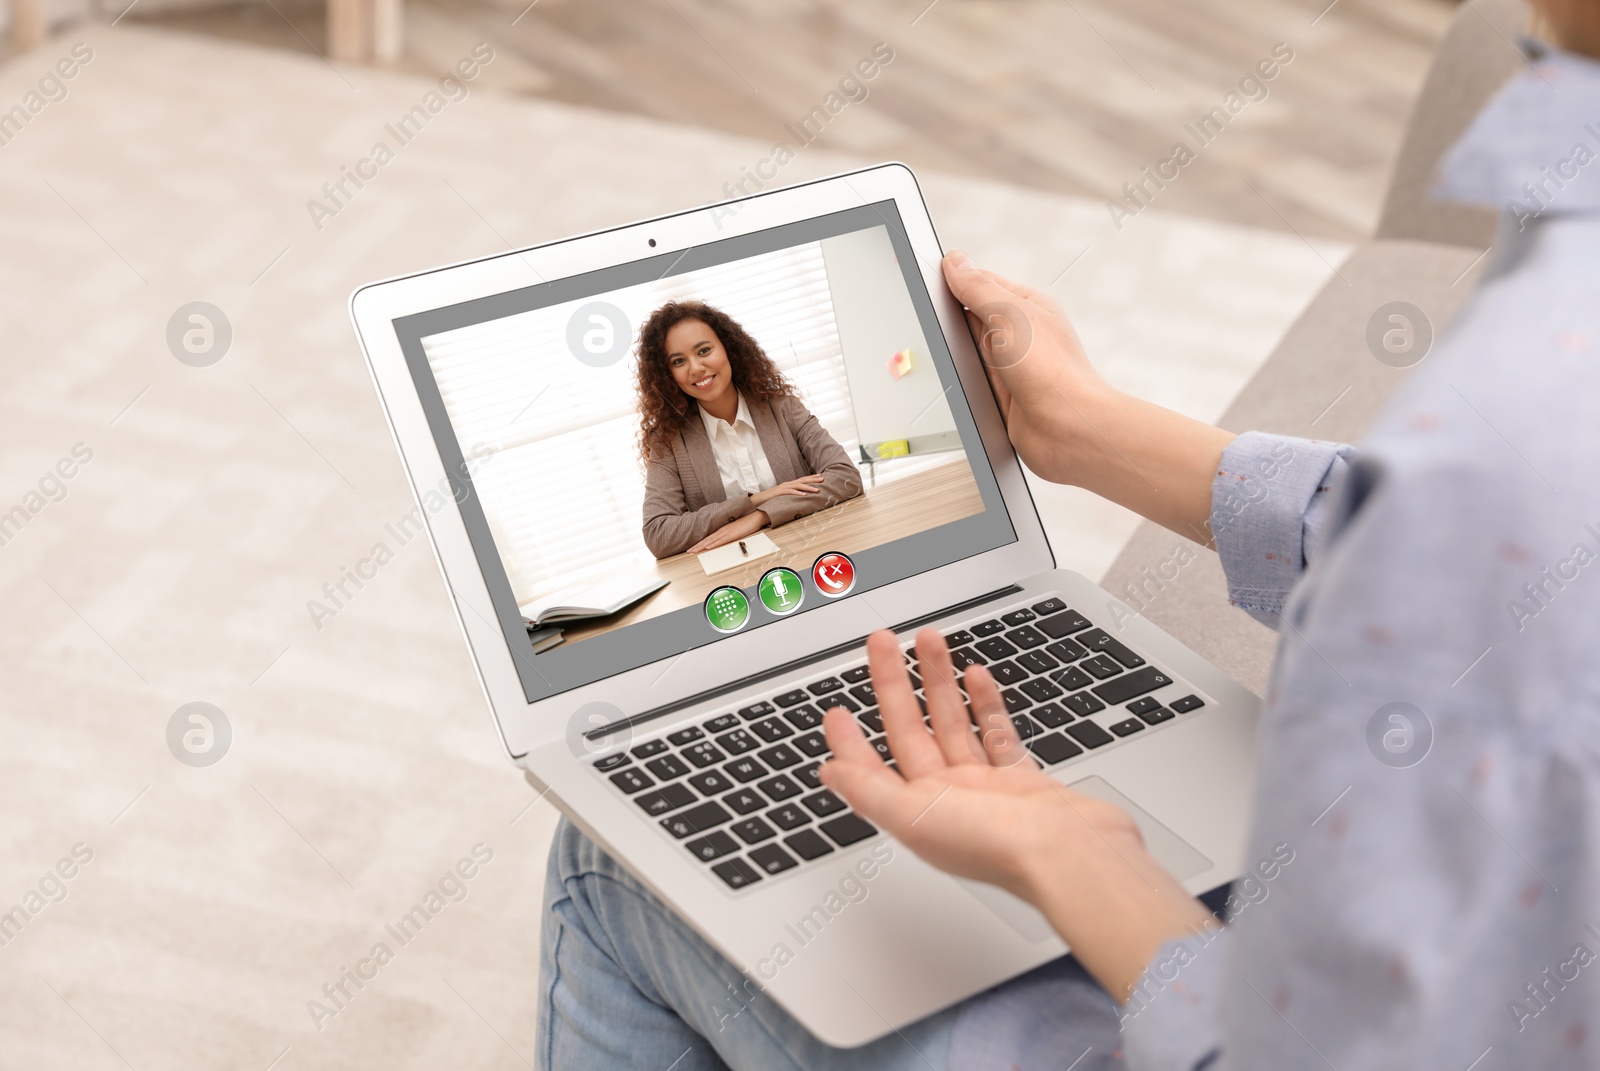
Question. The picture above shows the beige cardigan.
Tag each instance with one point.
(683, 496)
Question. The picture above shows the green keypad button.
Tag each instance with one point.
(727, 609)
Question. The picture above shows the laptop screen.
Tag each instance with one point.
(659, 455)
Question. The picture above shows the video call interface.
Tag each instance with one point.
(673, 451)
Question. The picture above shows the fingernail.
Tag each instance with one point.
(959, 260)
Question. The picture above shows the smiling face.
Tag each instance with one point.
(698, 362)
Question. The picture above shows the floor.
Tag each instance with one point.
(178, 564)
(1072, 98)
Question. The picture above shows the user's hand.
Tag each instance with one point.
(973, 802)
(1047, 390)
(739, 528)
(805, 485)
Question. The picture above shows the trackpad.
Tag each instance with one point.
(1171, 851)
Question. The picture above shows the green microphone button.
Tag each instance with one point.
(780, 591)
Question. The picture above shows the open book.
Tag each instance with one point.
(600, 599)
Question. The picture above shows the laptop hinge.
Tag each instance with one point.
(789, 667)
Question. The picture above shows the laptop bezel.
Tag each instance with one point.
(525, 727)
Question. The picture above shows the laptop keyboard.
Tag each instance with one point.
(740, 790)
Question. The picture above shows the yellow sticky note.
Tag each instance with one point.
(893, 448)
(900, 363)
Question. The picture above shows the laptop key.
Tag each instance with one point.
(866, 694)
(703, 754)
(666, 798)
(856, 674)
(779, 788)
(685, 736)
(738, 742)
(744, 770)
(824, 803)
(712, 846)
(1135, 683)
(736, 872)
(1027, 637)
(701, 819)
(745, 800)
(792, 699)
(871, 720)
(1008, 672)
(959, 638)
(1156, 716)
(1141, 706)
(813, 745)
(1040, 690)
(839, 699)
(1088, 734)
(1048, 607)
(1098, 639)
(772, 859)
(995, 648)
(1100, 667)
(1127, 727)
(847, 829)
(807, 775)
(787, 816)
(1018, 617)
(631, 781)
(1072, 678)
(1026, 726)
(1015, 700)
(987, 628)
(757, 710)
(1063, 623)
(708, 783)
(722, 723)
(1036, 662)
(802, 718)
(649, 748)
(1051, 715)
(753, 831)
(1054, 748)
(824, 686)
(1067, 650)
(779, 757)
(963, 657)
(881, 746)
(1186, 704)
(1083, 704)
(667, 767)
(771, 730)
(808, 844)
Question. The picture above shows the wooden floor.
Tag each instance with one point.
(1068, 97)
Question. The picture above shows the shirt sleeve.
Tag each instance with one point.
(1170, 1022)
(1270, 514)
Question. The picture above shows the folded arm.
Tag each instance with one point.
(670, 527)
(841, 480)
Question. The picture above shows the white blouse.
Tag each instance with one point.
(741, 462)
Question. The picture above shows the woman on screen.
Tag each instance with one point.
(728, 446)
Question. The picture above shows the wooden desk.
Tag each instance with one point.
(880, 515)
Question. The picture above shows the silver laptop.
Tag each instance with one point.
(671, 706)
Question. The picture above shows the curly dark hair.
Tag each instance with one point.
(664, 408)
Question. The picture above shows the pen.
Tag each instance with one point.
(744, 549)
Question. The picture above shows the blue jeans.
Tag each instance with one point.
(624, 984)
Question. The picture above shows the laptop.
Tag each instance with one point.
(682, 731)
